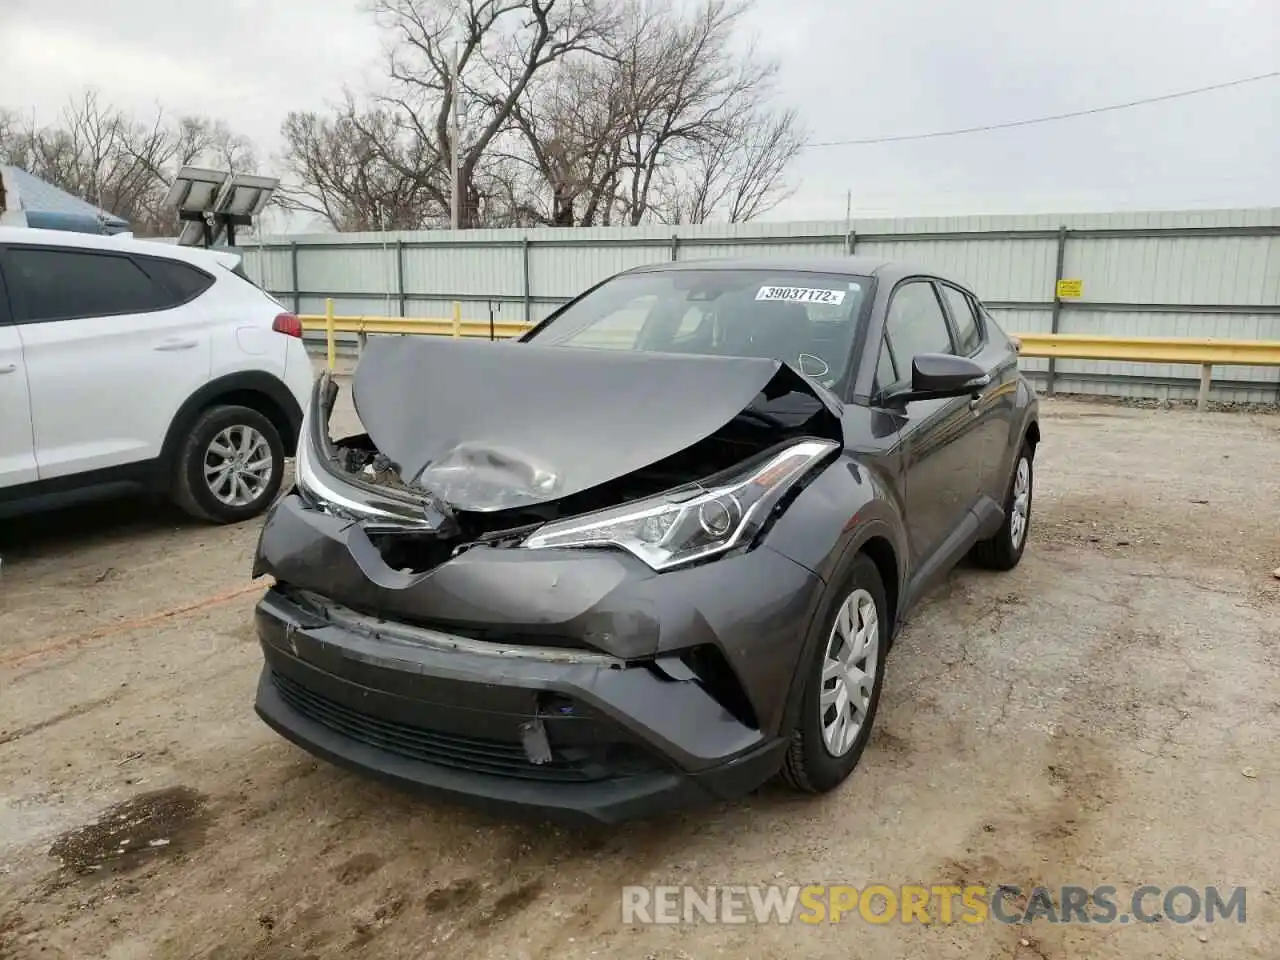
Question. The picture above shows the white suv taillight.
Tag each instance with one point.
(287, 324)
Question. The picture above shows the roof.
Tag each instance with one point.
(887, 272)
(853, 266)
(43, 203)
(120, 243)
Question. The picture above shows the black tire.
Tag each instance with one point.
(809, 765)
(1001, 552)
(192, 493)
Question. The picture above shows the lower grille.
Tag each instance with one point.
(474, 754)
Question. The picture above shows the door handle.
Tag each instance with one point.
(169, 345)
(976, 401)
(8, 367)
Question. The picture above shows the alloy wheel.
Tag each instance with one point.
(238, 465)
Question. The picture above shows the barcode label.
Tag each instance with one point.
(801, 295)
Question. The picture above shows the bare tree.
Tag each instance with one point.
(571, 115)
(572, 127)
(391, 159)
(118, 162)
(668, 119)
(13, 137)
(574, 112)
(358, 172)
(735, 171)
(682, 79)
(501, 45)
(204, 140)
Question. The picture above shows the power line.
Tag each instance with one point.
(1048, 119)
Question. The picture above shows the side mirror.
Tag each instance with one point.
(938, 375)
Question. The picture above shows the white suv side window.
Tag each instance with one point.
(65, 284)
(184, 282)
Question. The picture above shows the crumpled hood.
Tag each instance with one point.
(489, 426)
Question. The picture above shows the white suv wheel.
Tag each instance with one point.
(230, 466)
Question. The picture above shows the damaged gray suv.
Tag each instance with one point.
(652, 553)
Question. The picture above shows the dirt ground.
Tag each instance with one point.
(1108, 713)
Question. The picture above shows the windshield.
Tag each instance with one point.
(806, 320)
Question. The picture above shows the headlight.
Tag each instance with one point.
(692, 522)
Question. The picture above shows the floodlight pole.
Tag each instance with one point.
(220, 206)
(456, 198)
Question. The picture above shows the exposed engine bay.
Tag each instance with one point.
(749, 437)
(496, 475)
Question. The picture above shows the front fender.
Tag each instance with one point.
(841, 509)
(827, 526)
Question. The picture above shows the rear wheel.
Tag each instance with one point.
(1004, 550)
(842, 690)
(230, 467)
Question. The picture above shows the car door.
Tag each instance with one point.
(995, 407)
(110, 355)
(940, 445)
(17, 448)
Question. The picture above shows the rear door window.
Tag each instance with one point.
(48, 285)
(968, 333)
(183, 281)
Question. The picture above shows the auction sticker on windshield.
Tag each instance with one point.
(801, 295)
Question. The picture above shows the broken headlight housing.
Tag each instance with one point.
(319, 482)
(694, 522)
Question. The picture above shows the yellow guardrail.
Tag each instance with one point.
(503, 330)
(1209, 350)
(1206, 352)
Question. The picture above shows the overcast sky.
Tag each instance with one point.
(854, 70)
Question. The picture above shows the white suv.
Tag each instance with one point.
(128, 364)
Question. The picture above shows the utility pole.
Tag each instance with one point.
(454, 164)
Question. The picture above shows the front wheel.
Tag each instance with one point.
(230, 466)
(1004, 550)
(842, 689)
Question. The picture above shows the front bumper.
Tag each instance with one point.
(752, 609)
(625, 740)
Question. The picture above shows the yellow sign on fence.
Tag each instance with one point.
(1070, 289)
